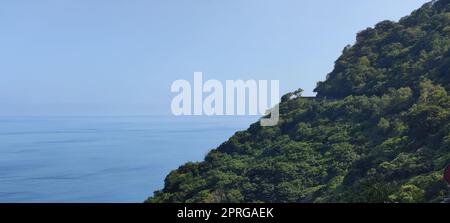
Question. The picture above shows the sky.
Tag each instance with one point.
(111, 57)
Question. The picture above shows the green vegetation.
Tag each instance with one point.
(378, 130)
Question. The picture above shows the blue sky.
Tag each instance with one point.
(110, 57)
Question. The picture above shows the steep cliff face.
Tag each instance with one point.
(378, 130)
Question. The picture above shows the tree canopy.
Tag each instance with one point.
(378, 130)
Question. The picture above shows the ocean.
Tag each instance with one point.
(102, 159)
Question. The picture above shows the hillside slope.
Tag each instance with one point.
(378, 130)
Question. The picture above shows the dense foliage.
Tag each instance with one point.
(378, 130)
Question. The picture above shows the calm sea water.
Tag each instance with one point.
(101, 159)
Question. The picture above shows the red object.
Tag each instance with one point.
(447, 174)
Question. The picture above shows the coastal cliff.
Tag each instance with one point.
(378, 130)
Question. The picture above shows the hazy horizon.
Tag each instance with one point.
(119, 58)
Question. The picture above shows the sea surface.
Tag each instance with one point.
(101, 159)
